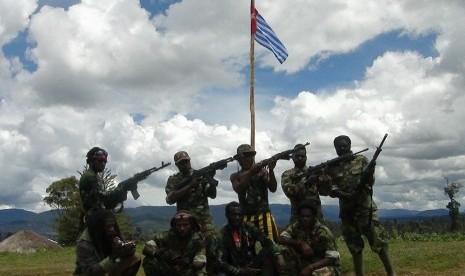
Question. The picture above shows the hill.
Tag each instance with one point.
(154, 218)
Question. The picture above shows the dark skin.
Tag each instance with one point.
(300, 158)
(342, 147)
(97, 163)
(241, 180)
(183, 229)
(235, 220)
(307, 220)
(184, 166)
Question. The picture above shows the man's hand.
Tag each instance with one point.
(307, 271)
(305, 249)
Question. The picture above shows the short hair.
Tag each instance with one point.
(342, 137)
(229, 206)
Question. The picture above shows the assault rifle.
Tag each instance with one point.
(130, 184)
(206, 172)
(369, 170)
(316, 169)
(284, 155)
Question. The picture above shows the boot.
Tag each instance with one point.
(358, 264)
(384, 256)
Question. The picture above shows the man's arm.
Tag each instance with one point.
(173, 195)
(90, 262)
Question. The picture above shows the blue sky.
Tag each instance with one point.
(146, 79)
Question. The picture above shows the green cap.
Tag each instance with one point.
(181, 155)
(244, 150)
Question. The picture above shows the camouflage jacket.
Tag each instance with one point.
(93, 195)
(293, 185)
(346, 177)
(320, 239)
(196, 201)
(180, 253)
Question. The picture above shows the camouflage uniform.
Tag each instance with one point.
(323, 244)
(355, 213)
(235, 256)
(293, 185)
(196, 202)
(175, 256)
(254, 202)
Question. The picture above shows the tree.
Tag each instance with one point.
(63, 195)
(451, 190)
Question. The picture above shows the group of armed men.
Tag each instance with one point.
(250, 243)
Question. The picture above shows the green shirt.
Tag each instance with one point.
(196, 201)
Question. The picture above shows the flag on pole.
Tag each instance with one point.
(266, 37)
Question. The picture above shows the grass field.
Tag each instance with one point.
(409, 258)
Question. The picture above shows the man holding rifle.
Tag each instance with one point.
(190, 190)
(252, 184)
(351, 181)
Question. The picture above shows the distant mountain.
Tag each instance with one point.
(155, 218)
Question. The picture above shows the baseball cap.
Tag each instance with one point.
(245, 150)
(181, 155)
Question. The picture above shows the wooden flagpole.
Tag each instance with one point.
(252, 77)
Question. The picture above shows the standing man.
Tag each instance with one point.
(252, 184)
(179, 251)
(357, 210)
(311, 244)
(192, 194)
(297, 186)
(239, 255)
(92, 190)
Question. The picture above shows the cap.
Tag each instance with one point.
(181, 155)
(245, 149)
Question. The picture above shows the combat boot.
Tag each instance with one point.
(384, 256)
(358, 264)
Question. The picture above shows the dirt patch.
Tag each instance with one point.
(27, 241)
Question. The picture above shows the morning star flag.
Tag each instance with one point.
(265, 36)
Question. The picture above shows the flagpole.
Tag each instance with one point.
(252, 77)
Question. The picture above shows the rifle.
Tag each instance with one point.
(130, 184)
(206, 172)
(369, 170)
(334, 161)
(284, 155)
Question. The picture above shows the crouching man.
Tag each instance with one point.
(311, 245)
(179, 251)
(239, 245)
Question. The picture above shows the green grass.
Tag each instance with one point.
(409, 258)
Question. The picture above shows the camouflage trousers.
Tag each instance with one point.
(353, 227)
(295, 264)
(154, 266)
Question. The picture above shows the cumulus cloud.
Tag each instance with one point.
(144, 86)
